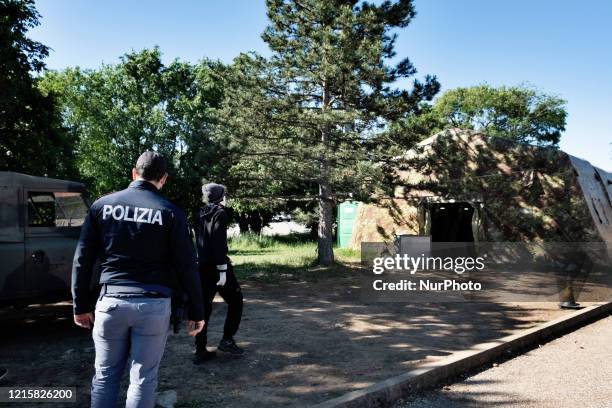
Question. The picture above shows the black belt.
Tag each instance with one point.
(128, 291)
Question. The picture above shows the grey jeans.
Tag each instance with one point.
(132, 331)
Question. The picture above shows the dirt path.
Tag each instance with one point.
(305, 342)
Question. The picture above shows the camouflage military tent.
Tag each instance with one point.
(465, 186)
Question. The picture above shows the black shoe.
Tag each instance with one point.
(202, 356)
(229, 346)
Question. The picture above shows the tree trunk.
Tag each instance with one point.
(325, 252)
(243, 223)
(255, 222)
(313, 232)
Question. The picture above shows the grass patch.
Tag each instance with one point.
(290, 257)
(348, 254)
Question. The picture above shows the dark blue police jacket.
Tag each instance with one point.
(142, 240)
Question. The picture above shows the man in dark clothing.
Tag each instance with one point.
(143, 244)
(216, 272)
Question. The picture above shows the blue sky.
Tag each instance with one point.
(561, 47)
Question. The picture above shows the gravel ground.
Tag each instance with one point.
(305, 342)
(572, 371)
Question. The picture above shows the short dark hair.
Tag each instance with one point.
(151, 166)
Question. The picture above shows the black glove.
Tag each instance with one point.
(179, 311)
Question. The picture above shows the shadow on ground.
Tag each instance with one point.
(472, 399)
(305, 341)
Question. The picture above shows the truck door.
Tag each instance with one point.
(12, 252)
(53, 225)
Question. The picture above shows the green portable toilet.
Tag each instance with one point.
(347, 211)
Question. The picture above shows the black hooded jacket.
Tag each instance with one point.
(211, 232)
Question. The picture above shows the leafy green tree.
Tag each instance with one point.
(313, 118)
(118, 111)
(31, 139)
(518, 113)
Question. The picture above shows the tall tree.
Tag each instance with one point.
(31, 139)
(519, 113)
(312, 118)
(118, 111)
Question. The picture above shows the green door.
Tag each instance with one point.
(347, 212)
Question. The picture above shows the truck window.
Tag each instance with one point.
(57, 209)
(41, 210)
(70, 209)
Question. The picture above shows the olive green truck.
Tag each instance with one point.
(40, 222)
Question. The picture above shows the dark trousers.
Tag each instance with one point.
(231, 294)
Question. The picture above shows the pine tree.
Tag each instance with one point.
(314, 114)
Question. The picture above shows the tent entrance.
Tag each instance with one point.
(451, 222)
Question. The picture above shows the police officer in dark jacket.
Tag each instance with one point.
(143, 244)
(216, 271)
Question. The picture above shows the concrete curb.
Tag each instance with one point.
(383, 393)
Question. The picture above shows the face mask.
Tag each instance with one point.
(224, 202)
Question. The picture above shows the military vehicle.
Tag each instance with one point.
(40, 222)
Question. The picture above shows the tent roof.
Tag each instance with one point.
(595, 183)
